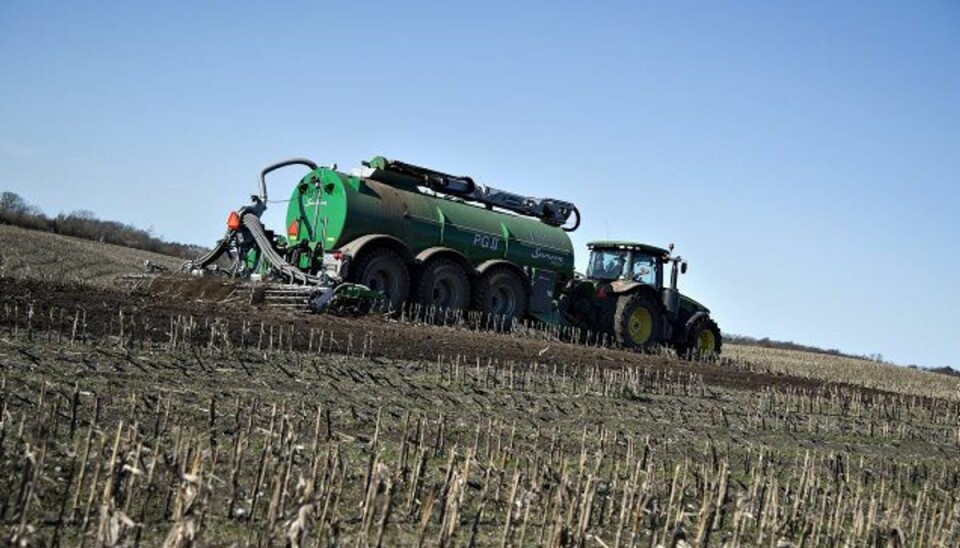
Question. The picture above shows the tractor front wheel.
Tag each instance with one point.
(637, 322)
(702, 340)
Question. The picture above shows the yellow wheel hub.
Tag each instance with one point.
(706, 342)
(641, 326)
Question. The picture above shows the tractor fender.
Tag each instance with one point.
(487, 265)
(354, 248)
(693, 319)
(432, 252)
(620, 287)
(630, 287)
(680, 335)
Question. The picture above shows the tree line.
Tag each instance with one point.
(766, 342)
(16, 211)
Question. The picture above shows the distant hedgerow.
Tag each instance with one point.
(14, 210)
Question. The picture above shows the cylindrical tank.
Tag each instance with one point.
(335, 208)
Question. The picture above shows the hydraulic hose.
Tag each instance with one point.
(212, 255)
(576, 225)
(253, 224)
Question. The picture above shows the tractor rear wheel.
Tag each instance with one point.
(443, 285)
(382, 269)
(637, 322)
(702, 340)
(501, 294)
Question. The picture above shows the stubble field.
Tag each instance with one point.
(162, 416)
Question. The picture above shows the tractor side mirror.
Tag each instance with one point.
(683, 267)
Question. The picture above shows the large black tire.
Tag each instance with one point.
(382, 269)
(702, 340)
(443, 285)
(501, 294)
(638, 321)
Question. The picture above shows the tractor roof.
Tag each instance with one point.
(614, 244)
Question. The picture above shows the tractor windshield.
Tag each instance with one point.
(606, 264)
(628, 264)
(644, 269)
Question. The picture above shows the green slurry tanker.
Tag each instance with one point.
(405, 234)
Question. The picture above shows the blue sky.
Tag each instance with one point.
(803, 156)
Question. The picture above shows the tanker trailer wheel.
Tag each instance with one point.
(637, 321)
(382, 269)
(702, 340)
(501, 295)
(443, 285)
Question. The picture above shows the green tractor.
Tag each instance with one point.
(624, 294)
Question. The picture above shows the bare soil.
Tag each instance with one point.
(174, 410)
(136, 409)
(153, 305)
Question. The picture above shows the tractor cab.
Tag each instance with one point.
(611, 261)
(626, 288)
(626, 266)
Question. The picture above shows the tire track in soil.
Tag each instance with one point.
(155, 307)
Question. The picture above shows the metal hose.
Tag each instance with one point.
(253, 224)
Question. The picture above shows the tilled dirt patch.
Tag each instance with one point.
(154, 309)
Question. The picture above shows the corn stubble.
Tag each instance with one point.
(260, 435)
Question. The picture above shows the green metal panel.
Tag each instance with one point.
(342, 208)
